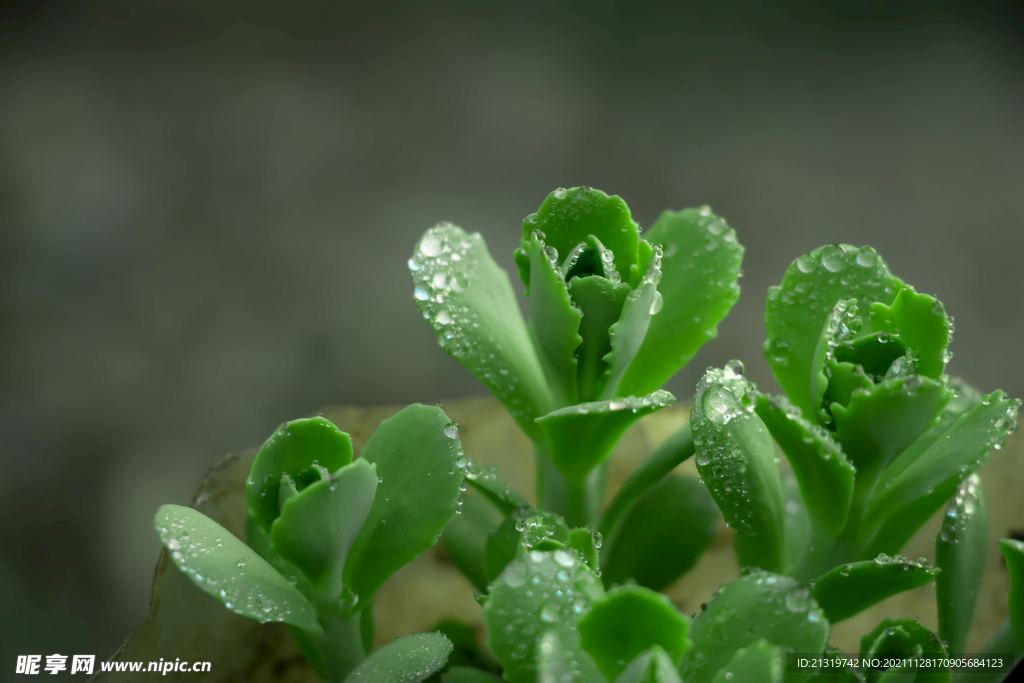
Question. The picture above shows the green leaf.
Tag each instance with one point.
(317, 527)
(568, 217)
(628, 333)
(486, 481)
(469, 303)
(960, 555)
(405, 660)
(663, 534)
(700, 266)
(555, 322)
(600, 301)
(628, 621)
(538, 592)
(850, 589)
(581, 437)
(896, 638)
(757, 605)
(259, 540)
(736, 459)
(505, 542)
(899, 508)
(759, 662)
(465, 538)
(921, 323)
(879, 424)
(652, 666)
(796, 310)
(558, 662)
(420, 480)
(964, 400)
(464, 674)
(302, 451)
(822, 471)
(585, 543)
(223, 566)
(840, 324)
(663, 459)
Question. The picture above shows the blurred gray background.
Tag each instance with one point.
(206, 210)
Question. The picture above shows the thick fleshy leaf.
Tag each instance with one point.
(653, 666)
(879, 424)
(628, 621)
(759, 662)
(581, 437)
(465, 538)
(301, 451)
(898, 509)
(851, 588)
(417, 454)
(757, 605)
(700, 264)
(964, 400)
(538, 592)
(840, 326)
(585, 544)
(469, 302)
(223, 566)
(568, 217)
(960, 555)
(920, 322)
(465, 674)
(659, 462)
(824, 474)
(663, 535)
(797, 309)
(600, 301)
(558, 662)
(894, 638)
(410, 659)
(259, 540)
(555, 322)
(486, 481)
(507, 541)
(628, 333)
(317, 527)
(736, 459)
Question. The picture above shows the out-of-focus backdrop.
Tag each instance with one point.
(206, 210)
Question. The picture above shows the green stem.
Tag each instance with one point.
(578, 501)
(340, 648)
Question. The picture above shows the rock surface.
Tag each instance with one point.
(183, 622)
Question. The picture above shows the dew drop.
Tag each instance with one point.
(806, 264)
(452, 431)
(657, 303)
(866, 257)
(833, 257)
(431, 245)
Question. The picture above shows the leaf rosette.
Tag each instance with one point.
(878, 436)
(613, 316)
